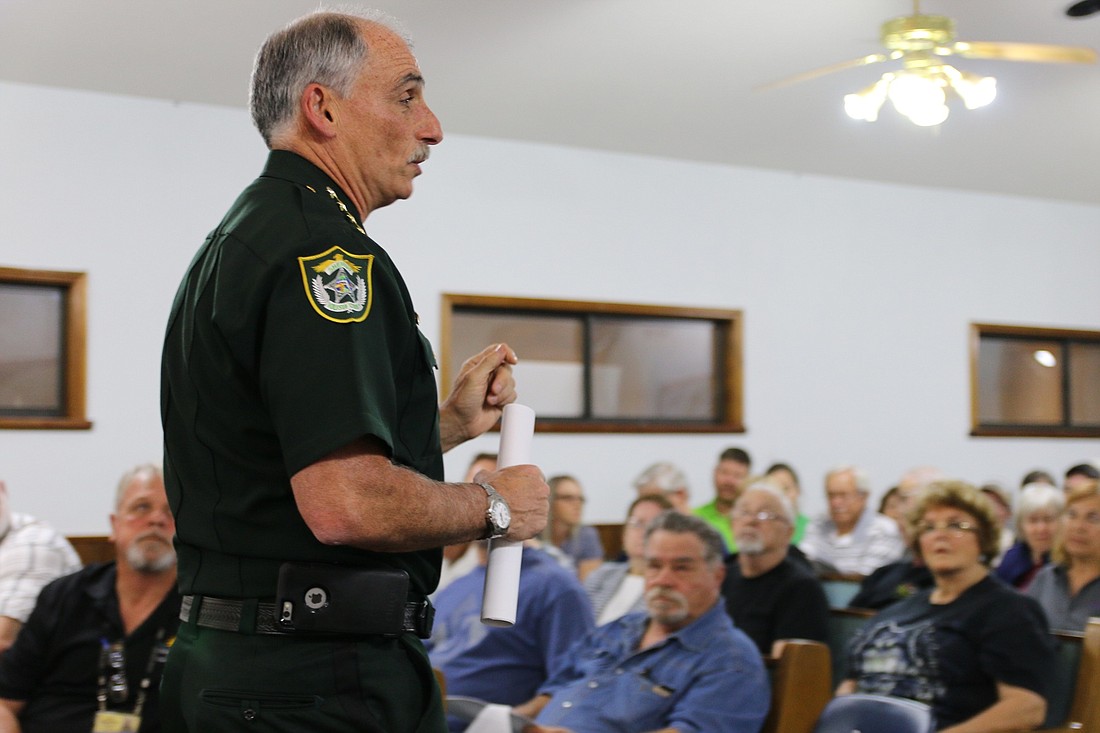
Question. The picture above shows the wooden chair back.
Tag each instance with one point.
(800, 686)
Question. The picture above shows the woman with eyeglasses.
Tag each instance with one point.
(1038, 515)
(617, 588)
(972, 648)
(1069, 589)
(579, 542)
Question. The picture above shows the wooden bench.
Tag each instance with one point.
(800, 686)
(92, 547)
(1073, 703)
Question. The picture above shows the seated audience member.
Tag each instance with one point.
(462, 558)
(1002, 509)
(892, 583)
(564, 530)
(892, 505)
(1080, 474)
(1038, 516)
(852, 538)
(665, 478)
(1069, 590)
(507, 665)
(618, 588)
(1038, 476)
(769, 595)
(970, 647)
(91, 653)
(730, 475)
(32, 553)
(678, 666)
(783, 476)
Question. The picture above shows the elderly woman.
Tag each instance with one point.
(618, 588)
(1038, 514)
(972, 648)
(564, 530)
(1069, 590)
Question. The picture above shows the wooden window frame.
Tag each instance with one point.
(727, 392)
(74, 359)
(1024, 430)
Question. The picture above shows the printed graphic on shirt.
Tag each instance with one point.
(338, 284)
(899, 660)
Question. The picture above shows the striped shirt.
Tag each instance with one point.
(32, 553)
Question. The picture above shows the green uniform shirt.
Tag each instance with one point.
(291, 336)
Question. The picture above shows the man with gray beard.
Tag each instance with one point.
(770, 595)
(680, 666)
(90, 656)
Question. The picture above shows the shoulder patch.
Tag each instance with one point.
(338, 284)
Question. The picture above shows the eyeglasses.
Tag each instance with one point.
(576, 498)
(955, 529)
(1092, 518)
(759, 516)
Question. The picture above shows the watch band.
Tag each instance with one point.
(497, 504)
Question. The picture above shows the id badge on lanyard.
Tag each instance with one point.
(109, 721)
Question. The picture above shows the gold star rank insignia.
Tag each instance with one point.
(338, 284)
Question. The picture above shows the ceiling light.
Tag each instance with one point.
(920, 92)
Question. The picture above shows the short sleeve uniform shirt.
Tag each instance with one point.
(291, 335)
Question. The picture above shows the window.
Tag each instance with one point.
(1041, 382)
(42, 342)
(588, 366)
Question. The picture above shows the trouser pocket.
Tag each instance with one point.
(228, 711)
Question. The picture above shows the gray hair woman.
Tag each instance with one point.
(1038, 515)
(1069, 589)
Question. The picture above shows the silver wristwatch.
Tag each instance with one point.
(498, 517)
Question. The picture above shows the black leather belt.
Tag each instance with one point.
(253, 616)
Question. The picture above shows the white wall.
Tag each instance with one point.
(856, 296)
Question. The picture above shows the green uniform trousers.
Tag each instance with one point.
(224, 682)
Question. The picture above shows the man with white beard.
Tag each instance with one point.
(679, 666)
(770, 595)
(90, 656)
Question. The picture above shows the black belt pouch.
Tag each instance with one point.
(315, 597)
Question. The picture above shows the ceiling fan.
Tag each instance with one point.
(918, 90)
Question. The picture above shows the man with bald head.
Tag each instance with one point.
(303, 432)
(91, 654)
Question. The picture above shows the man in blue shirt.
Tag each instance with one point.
(508, 665)
(678, 667)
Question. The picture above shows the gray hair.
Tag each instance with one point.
(324, 47)
(714, 547)
(862, 481)
(1035, 497)
(144, 471)
(664, 475)
(785, 507)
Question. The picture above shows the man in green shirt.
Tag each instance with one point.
(303, 435)
(730, 476)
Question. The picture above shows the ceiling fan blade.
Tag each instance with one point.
(873, 58)
(1025, 52)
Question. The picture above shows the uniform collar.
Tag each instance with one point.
(290, 166)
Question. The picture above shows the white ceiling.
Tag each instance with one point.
(671, 78)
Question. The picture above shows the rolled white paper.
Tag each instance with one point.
(498, 604)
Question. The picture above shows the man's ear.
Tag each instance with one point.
(317, 105)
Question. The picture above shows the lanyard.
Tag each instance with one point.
(115, 687)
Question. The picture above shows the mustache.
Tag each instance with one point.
(154, 535)
(420, 155)
(664, 594)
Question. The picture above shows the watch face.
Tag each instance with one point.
(501, 516)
